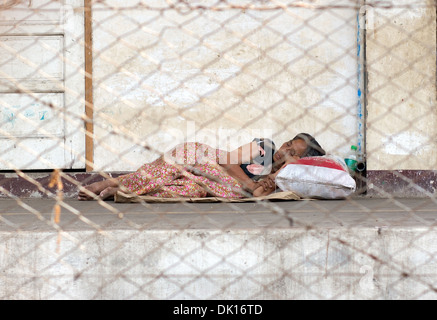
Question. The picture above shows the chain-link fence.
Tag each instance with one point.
(148, 151)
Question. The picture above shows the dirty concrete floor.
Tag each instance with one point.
(37, 214)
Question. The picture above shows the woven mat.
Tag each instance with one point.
(121, 197)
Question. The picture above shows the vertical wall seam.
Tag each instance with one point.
(89, 99)
(362, 79)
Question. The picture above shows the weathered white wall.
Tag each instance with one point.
(275, 263)
(220, 77)
(401, 61)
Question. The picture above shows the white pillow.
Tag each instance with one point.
(324, 177)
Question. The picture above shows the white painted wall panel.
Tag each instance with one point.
(26, 117)
(33, 62)
(42, 85)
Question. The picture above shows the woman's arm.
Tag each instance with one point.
(268, 185)
(236, 158)
(235, 171)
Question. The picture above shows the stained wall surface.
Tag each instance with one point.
(401, 63)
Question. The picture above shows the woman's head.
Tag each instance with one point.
(302, 145)
(313, 147)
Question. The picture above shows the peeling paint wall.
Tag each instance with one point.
(401, 62)
(220, 77)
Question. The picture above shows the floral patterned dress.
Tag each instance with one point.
(189, 170)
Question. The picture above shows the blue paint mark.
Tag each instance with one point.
(359, 92)
(359, 35)
(9, 118)
(29, 113)
(359, 44)
(42, 115)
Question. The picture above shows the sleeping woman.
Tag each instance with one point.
(197, 170)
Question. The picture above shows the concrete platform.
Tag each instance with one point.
(351, 249)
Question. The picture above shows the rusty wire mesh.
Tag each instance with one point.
(91, 90)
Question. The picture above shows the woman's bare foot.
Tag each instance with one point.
(93, 191)
(108, 193)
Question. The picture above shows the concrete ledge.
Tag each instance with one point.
(355, 249)
(35, 185)
(384, 183)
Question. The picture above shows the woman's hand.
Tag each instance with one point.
(265, 186)
(268, 183)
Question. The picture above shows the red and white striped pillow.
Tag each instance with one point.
(324, 177)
